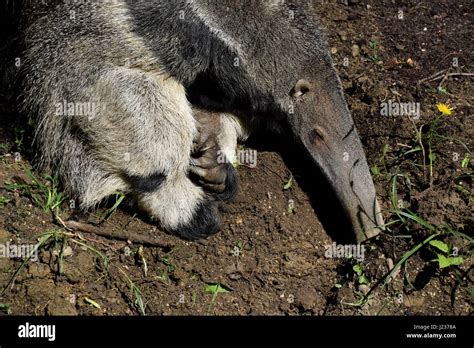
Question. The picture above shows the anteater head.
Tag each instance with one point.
(323, 125)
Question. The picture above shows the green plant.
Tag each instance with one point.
(50, 240)
(5, 308)
(170, 267)
(443, 90)
(43, 239)
(164, 278)
(374, 170)
(465, 161)
(45, 195)
(288, 184)
(19, 135)
(361, 277)
(445, 254)
(405, 218)
(136, 294)
(374, 46)
(215, 289)
(431, 136)
(92, 302)
(105, 260)
(4, 147)
(4, 200)
(119, 197)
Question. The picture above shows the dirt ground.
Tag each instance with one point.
(269, 258)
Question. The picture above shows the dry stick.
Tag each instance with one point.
(453, 74)
(122, 235)
(445, 77)
(75, 235)
(439, 75)
(429, 78)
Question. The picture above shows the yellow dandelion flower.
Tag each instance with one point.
(445, 109)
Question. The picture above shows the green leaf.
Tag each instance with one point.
(5, 308)
(465, 161)
(449, 261)
(92, 302)
(363, 279)
(375, 170)
(338, 286)
(418, 220)
(440, 245)
(288, 184)
(216, 288)
(442, 90)
(358, 269)
(4, 200)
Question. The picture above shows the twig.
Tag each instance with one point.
(442, 81)
(75, 235)
(439, 75)
(430, 78)
(451, 74)
(122, 235)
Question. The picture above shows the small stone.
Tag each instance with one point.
(67, 251)
(355, 50)
(343, 35)
(410, 62)
(333, 50)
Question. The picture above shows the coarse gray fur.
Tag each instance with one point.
(137, 66)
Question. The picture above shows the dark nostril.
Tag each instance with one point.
(317, 135)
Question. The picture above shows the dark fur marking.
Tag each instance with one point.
(204, 223)
(149, 183)
(231, 184)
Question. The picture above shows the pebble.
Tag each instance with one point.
(343, 35)
(355, 50)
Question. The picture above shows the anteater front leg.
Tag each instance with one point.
(214, 152)
(143, 135)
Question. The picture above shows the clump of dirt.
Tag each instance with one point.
(270, 256)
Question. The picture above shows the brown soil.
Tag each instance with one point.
(271, 261)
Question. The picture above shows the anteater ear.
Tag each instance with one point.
(300, 89)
